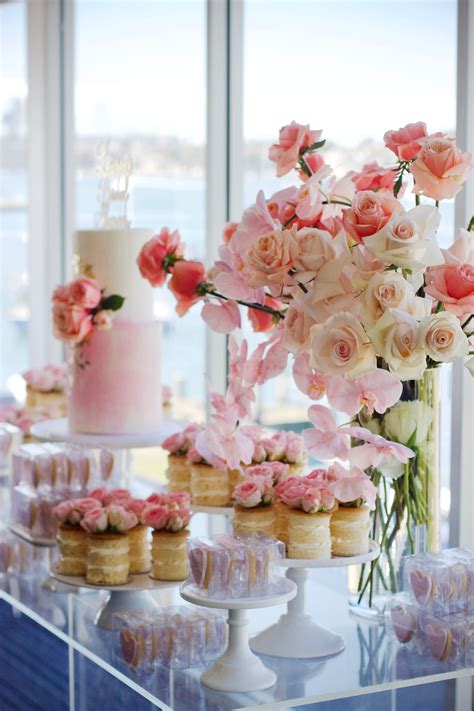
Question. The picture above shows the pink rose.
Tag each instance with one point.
(311, 500)
(311, 249)
(103, 320)
(61, 511)
(268, 260)
(175, 443)
(194, 457)
(406, 142)
(178, 519)
(71, 324)
(61, 294)
(155, 516)
(184, 284)
(136, 506)
(440, 169)
(374, 177)
(314, 162)
(279, 469)
(85, 292)
(117, 496)
(179, 499)
(453, 285)
(99, 494)
(161, 499)
(275, 446)
(294, 449)
(85, 505)
(158, 255)
(293, 493)
(249, 493)
(292, 139)
(95, 521)
(259, 453)
(369, 213)
(120, 520)
(297, 327)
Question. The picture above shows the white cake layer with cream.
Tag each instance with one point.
(110, 256)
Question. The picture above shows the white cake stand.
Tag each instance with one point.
(296, 635)
(238, 669)
(58, 431)
(217, 510)
(132, 597)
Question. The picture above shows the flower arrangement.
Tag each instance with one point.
(80, 307)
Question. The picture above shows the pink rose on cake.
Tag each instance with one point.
(178, 519)
(161, 499)
(178, 499)
(120, 520)
(117, 496)
(95, 521)
(99, 494)
(158, 255)
(136, 506)
(156, 516)
(254, 491)
(62, 511)
(84, 505)
(85, 292)
(71, 323)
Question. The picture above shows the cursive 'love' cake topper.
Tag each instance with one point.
(113, 192)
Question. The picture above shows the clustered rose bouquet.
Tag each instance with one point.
(80, 307)
(96, 515)
(167, 512)
(342, 276)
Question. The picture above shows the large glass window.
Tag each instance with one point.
(141, 82)
(14, 296)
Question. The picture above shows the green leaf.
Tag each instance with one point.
(398, 185)
(315, 146)
(114, 302)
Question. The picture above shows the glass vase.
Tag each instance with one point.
(406, 517)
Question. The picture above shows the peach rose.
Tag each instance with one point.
(387, 290)
(71, 323)
(103, 320)
(396, 339)
(409, 240)
(453, 285)
(310, 249)
(158, 255)
(85, 292)
(374, 177)
(369, 213)
(406, 143)
(443, 338)
(61, 294)
(340, 345)
(187, 276)
(292, 139)
(268, 260)
(440, 169)
(297, 328)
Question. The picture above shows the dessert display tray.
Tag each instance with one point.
(296, 635)
(24, 533)
(134, 595)
(238, 669)
(58, 431)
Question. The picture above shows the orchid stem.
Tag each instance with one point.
(257, 307)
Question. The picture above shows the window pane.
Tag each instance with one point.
(14, 306)
(141, 82)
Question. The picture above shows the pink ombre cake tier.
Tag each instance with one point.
(116, 384)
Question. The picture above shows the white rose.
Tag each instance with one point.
(340, 345)
(395, 338)
(406, 418)
(408, 240)
(442, 337)
(388, 290)
(311, 249)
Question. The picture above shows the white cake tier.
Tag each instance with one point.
(110, 256)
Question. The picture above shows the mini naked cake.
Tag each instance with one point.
(350, 528)
(209, 486)
(169, 519)
(107, 559)
(46, 388)
(178, 445)
(309, 534)
(281, 522)
(253, 506)
(139, 550)
(72, 542)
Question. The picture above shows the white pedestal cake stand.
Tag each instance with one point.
(238, 669)
(132, 597)
(296, 635)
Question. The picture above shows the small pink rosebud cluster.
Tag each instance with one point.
(182, 442)
(306, 494)
(51, 377)
(167, 512)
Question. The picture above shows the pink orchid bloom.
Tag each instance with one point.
(325, 440)
(268, 360)
(376, 450)
(222, 317)
(309, 381)
(230, 279)
(223, 439)
(256, 221)
(375, 390)
(350, 485)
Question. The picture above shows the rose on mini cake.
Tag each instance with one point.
(440, 168)
(95, 521)
(369, 213)
(341, 346)
(85, 292)
(156, 516)
(443, 338)
(120, 520)
(250, 492)
(453, 285)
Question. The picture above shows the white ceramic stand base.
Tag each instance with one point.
(238, 669)
(132, 597)
(296, 635)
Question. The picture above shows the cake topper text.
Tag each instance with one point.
(113, 192)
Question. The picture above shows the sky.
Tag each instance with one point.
(355, 68)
